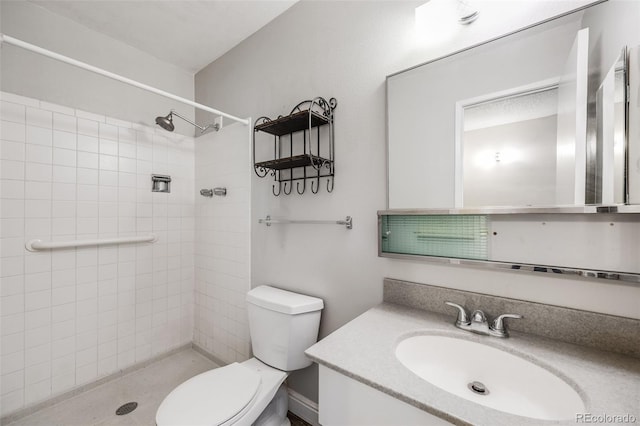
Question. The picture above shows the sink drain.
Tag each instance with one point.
(478, 388)
(126, 408)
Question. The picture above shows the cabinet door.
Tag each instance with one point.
(347, 402)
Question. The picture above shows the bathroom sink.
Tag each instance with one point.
(490, 376)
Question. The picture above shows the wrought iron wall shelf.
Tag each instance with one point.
(301, 150)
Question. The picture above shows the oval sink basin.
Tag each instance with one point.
(489, 376)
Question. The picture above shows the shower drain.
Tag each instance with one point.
(478, 388)
(126, 408)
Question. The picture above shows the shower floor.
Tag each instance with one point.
(147, 386)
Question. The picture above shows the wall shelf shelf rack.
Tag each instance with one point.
(303, 147)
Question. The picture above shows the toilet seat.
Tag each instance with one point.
(216, 397)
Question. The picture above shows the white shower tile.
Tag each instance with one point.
(11, 382)
(108, 162)
(12, 150)
(37, 300)
(38, 172)
(37, 190)
(13, 112)
(64, 157)
(90, 354)
(37, 392)
(10, 131)
(64, 348)
(55, 108)
(90, 116)
(63, 226)
(12, 169)
(64, 123)
(87, 193)
(64, 191)
(37, 282)
(108, 131)
(87, 225)
(88, 127)
(62, 313)
(88, 160)
(63, 209)
(37, 262)
(12, 325)
(88, 143)
(118, 122)
(63, 330)
(12, 189)
(64, 364)
(37, 355)
(86, 274)
(87, 291)
(38, 136)
(37, 208)
(10, 247)
(64, 174)
(11, 266)
(108, 147)
(10, 286)
(62, 382)
(86, 373)
(64, 140)
(37, 337)
(127, 150)
(88, 176)
(108, 194)
(12, 362)
(63, 295)
(108, 178)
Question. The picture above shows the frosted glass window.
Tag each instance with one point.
(463, 237)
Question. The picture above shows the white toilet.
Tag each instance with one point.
(283, 325)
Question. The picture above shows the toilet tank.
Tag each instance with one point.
(283, 325)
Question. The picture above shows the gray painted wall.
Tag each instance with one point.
(32, 75)
(345, 50)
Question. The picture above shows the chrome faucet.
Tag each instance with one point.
(478, 322)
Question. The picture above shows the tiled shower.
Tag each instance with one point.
(72, 316)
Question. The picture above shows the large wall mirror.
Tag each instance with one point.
(539, 118)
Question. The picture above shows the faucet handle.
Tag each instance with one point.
(463, 317)
(500, 327)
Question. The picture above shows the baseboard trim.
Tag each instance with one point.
(23, 412)
(303, 407)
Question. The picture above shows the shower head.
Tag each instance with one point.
(166, 122)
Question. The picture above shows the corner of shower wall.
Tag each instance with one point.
(223, 244)
(72, 316)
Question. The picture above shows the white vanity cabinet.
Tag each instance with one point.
(346, 402)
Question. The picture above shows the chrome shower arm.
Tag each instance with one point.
(215, 126)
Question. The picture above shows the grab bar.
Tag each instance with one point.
(348, 222)
(37, 245)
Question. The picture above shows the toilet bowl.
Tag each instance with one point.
(236, 394)
(283, 325)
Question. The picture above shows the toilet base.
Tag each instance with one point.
(276, 412)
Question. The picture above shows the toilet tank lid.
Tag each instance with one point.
(283, 301)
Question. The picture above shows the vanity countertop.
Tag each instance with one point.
(364, 349)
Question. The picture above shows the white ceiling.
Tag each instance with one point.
(187, 33)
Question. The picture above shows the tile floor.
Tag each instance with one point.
(147, 386)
